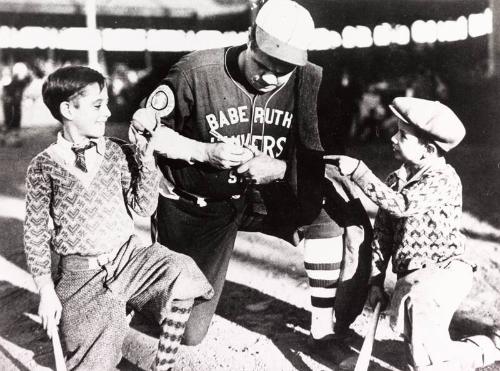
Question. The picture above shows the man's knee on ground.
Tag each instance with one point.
(193, 337)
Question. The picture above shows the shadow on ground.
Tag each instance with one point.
(279, 321)
(17, 328)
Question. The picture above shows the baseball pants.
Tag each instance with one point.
(208, 234)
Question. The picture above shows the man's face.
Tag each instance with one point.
(264, 72)
(90, 111)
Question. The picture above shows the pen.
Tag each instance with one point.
(223, 139)
(219, 137)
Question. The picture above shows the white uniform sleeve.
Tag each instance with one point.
(176, 146)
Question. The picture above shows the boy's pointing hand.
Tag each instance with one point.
(346, 165)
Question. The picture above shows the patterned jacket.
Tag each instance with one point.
(418, 222)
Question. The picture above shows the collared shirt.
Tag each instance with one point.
(403, 175)
(418, 222)
(61, 152)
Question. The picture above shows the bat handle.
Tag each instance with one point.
(376, 314)
(58, 353)
(366, 350)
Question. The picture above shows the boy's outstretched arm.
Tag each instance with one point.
(422, 196)
(140, 176)
(37, 243)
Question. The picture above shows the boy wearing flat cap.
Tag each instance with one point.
(418, 226)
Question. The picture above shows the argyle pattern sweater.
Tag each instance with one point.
(72, 217)
(418, 222)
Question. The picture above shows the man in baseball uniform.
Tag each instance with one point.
(241, 151)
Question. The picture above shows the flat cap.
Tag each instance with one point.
(437, 121)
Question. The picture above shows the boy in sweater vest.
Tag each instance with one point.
(81, 192)
(418, 225)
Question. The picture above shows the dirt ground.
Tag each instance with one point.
(263, 319)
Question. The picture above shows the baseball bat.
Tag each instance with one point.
(366, 349)
(58, 353)
(56, 343)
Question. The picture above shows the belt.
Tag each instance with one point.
(86, 263)
(202, 201)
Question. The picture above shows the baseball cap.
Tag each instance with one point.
(432, 118)
(284, 31)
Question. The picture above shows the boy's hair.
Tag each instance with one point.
(66, 83)
(426, 140)
(423, 137)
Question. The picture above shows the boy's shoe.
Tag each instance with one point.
(494, 336)
(488, 346)
(332, 348)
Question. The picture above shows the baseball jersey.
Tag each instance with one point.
(211, 94)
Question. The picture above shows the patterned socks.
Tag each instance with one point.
(172, 331)
(322, 259)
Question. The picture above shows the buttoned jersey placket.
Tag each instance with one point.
(253, 101)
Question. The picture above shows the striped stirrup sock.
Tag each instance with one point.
(172, 331)
(322, 260)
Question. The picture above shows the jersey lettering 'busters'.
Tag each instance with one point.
(210, 94)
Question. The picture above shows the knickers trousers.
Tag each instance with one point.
(94, 323)
(422, 307)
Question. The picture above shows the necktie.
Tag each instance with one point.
(80, 155)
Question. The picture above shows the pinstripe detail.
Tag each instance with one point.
(322, 266)
(323, 283)
(322, 302)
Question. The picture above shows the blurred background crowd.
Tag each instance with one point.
(22, 104)
(363, 93)
(363, 80)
